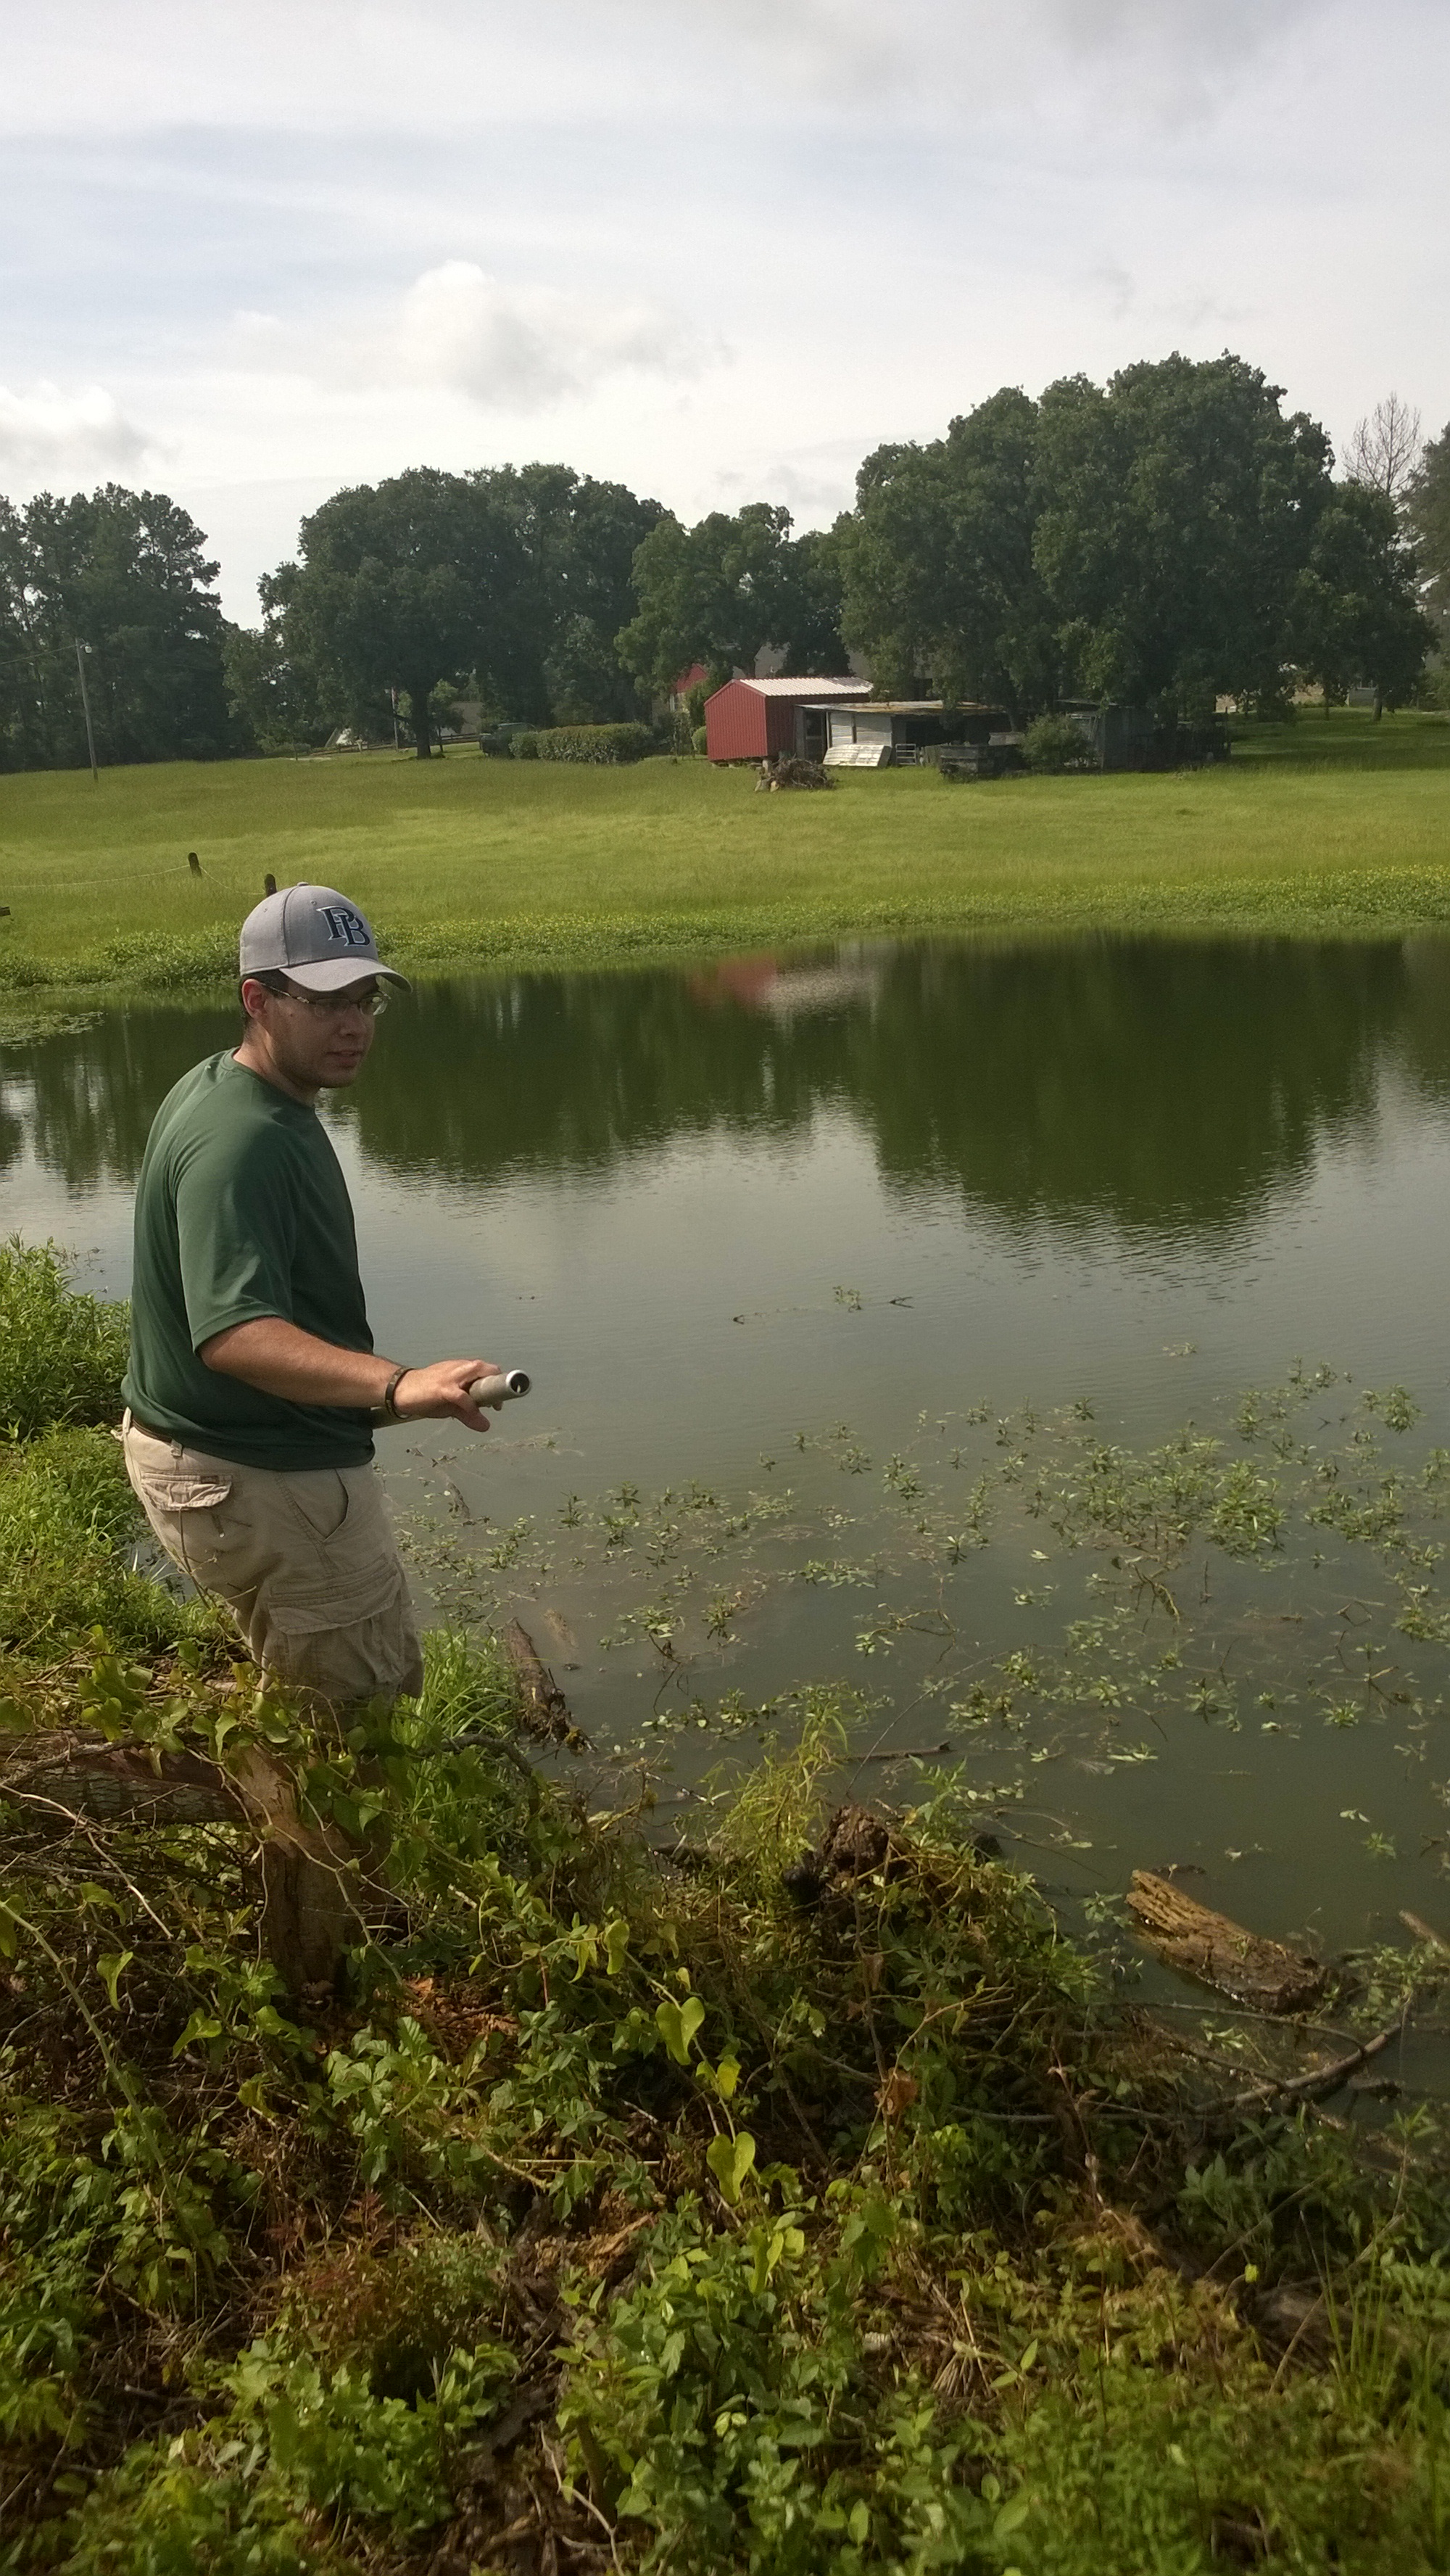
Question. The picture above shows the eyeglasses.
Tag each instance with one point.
(330, 1006)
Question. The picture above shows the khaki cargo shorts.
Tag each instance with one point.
(306, 1563)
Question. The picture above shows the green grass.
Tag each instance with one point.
(61, 1352)
(1338, 826)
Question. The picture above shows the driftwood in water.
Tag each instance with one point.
(308, 1903)
(1219, 1953)
(544, 1708)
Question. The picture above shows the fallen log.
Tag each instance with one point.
(309, 1897)
(543, 1707)
(1243, 1965)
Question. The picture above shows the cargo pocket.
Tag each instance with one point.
(183, 1503)
(358, 1646)
(177, 1489)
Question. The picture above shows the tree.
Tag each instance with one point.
(124, 577)
(1174, 510)
(1384, 450)
(578, 538)
(1427, 515)
(1356, 616)
(940, 584)
(274, 698)
(722, 591)
(401, 585)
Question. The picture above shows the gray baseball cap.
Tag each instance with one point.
(313, 934)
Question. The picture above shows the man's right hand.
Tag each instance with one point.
(440, 1392)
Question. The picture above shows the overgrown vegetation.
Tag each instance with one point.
(61, 1353)
(626, 2204)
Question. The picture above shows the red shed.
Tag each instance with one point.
(762, 719)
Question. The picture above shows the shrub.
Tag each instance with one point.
(606, 744)
(1053, 745)
(699, 742)
(525, 746)
(61, 1353)
(796, 773)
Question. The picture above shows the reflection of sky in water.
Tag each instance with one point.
(649, 1193)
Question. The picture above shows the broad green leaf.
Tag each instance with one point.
(111, 1969)
(616, 1945)
(202, 2025)
(677, 2025)
(730, 2160)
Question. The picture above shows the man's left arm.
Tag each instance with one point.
(279, 1358)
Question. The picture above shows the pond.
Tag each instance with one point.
(856, 1286)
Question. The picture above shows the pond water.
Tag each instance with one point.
(835, 1273)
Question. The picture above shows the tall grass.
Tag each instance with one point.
(61, 1352)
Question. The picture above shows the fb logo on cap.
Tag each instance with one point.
(346, 925)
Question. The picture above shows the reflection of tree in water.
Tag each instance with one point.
(1160, 1085)
(1156, 1084)
(94, 1092)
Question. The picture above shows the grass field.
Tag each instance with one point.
(1341, 826)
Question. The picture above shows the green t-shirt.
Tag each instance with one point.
(241, 1211)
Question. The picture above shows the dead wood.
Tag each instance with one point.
(543, 1707)
(1243, 1965)
(1320, 2080)
(308, 1903)
(64, 1775)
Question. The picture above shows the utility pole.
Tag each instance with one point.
(86, 710)
(80, 672)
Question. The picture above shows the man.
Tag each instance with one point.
(253, 1381)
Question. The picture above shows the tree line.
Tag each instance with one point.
(1166, 539)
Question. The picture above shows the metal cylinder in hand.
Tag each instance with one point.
(501, 1388)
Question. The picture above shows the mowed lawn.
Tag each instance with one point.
(1336, 826)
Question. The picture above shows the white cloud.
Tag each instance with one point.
(518, 348)
(46, 434)
(460, 331)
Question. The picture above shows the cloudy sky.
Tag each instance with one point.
(717, 250)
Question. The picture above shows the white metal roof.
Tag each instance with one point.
(809, 688)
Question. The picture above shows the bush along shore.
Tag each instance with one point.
(618, 2207)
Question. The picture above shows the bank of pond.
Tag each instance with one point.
(780, 2188)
